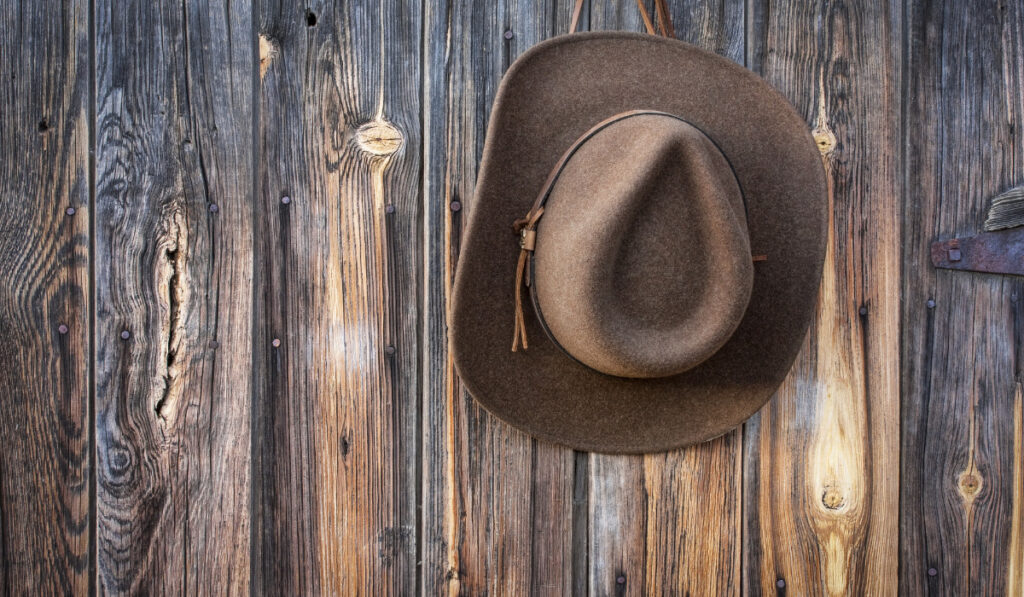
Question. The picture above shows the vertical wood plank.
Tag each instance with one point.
(45, 436)
(497, 511)
(173, 295)
(336, 336)
(668, 523)
(960, 518)
(618, 509)
(821, 481)
(617, 498)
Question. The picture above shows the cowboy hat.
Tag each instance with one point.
(669, 210)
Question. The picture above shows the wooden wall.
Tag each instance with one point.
(228, 233)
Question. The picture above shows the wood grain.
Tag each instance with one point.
(497, 505)
(962, 357)
(173, 294)
(1015, 567)
(45, 432)
(336, 307)
(821, 486)
(668, 523)
(272, 213)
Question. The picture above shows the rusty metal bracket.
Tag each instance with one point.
(1000, 252)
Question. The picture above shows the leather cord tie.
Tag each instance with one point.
(526, 228)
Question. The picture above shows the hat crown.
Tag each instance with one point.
(642, 266)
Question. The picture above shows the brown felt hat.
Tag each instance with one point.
(643, 251)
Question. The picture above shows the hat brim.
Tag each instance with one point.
(550, 96)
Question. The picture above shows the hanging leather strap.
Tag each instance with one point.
(664, 19)
(660, 11)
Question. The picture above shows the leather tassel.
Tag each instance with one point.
(527, 230)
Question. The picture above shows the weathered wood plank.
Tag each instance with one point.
(497, 505)
(45, 436)
(823, 456)
(668, 523)
(618, 511)
(173, 293)
(336, 339)
(962, 355)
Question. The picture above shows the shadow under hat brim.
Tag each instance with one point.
(551, 95)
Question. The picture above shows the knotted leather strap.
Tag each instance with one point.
(527, 230)
(660, 10)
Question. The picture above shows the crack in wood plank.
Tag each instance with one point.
(173, 291)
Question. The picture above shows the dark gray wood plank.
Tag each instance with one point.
(337, 322)
(497, 505)
(668, 523)
(822, 458)
(174, 295)
(961, 499)
(45, 436)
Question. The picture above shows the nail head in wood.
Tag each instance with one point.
(214, 208)
(863, 311)
(930, 304)
(276, 343)
(932, 572)
(70, 211)
(63, 329)
(620, 580)
(125, 334)
(509, 34)
(780, 584)
(214, 344)
(389, 209)
(286, 199)
(389, 350)
(455, 205)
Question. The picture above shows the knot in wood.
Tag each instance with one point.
(379, 137)
(825, 139)
(832, 499)
(970, 484)
(268, 50)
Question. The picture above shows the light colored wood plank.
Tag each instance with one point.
(45, 431)
(1015, 557)
(336, 414)
(174, 269)
(822, 485)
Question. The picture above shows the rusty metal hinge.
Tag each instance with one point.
(999, 252)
